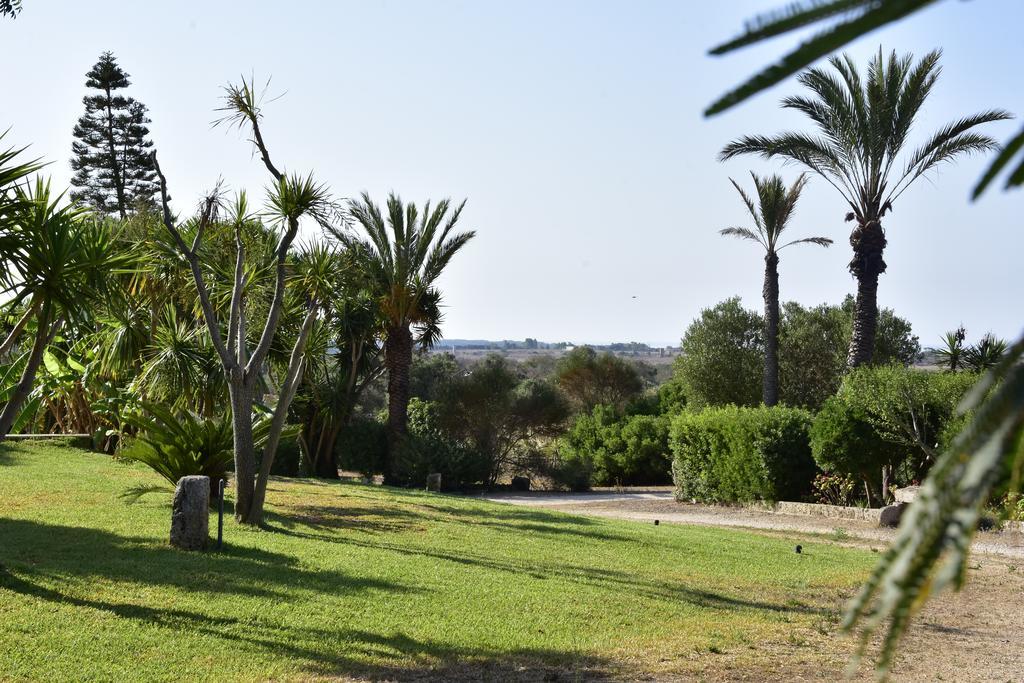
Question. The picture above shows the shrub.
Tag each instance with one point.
(887, 423)
(628, 450)
(430, 449)
(362, 446)
(176, 445)
(736, 454)
(834, 489)
(844, 441)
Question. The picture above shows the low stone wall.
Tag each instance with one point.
(830, 511)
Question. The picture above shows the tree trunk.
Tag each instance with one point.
(115, 168)
(28, 375)
(8, 343)
(291, 382)
(245, 450)
(868, 242)
(771, 329)
(398, 359)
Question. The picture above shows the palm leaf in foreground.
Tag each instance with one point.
(932, 545)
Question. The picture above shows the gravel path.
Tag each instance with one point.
(649, 505)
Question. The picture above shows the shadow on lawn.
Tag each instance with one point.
(376, 519)
(607, 579)
(50, 550)
(32, 569)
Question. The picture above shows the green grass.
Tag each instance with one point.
(350, 580)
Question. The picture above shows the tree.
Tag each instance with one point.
(722, 356)
(348, 342)
(589, 378)
(771, 214)
(58, 262)
(113, 157)
(498, 414)
(720, 349)
(408, 250)
(290, 199)
(864, 126)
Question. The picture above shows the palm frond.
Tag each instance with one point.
(742, 233)
(820, 241)
(1005, 156)
(859, 17)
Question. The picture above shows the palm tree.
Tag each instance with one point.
(774, 207)
(58, 264)
(408, 250)
(864, 126)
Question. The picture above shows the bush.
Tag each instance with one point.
(844, 441)
(735, 454)
(362, 446)
(430, 449)
(629, 450)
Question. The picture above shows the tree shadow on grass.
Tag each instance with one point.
(47, 550)
(605, 579)
(315, 651)
(373, 518)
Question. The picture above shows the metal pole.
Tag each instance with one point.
(220, 513)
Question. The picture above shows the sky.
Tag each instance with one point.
(573, 128)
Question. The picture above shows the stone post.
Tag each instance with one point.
(190, 513)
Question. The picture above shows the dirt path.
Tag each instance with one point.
(974, 635)
(660, 505)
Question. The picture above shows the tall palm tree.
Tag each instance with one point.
(864, 125)
(771, 214)
(58, 264)
(408, 250)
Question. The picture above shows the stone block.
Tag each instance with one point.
(190, 513)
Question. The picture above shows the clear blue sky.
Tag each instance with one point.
(575, 130)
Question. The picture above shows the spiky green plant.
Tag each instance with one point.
(863, 128)
(771, 214)
(986, 354)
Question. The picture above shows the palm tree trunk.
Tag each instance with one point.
(771, 328)
(28, 375)
(245, 449)
(398, 359)
(868, 242)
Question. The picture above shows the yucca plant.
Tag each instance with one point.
(986, 354)
(59, 261)
(771, 213)
(951, 354)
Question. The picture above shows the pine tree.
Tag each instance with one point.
(113, 157)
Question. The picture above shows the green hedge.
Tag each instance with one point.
(735, 454)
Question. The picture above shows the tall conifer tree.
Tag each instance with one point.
(112, 160)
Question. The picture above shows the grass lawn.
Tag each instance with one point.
(358, 581)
